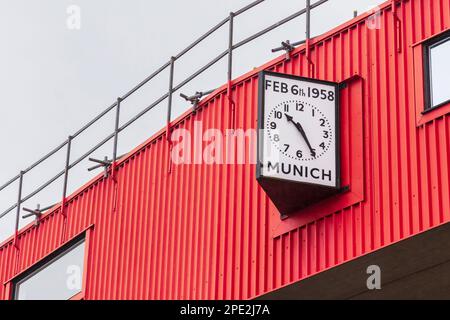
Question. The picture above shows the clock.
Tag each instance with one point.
(298, 142)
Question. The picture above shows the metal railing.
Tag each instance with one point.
(169, 95)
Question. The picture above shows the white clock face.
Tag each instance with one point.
(299, 124)
(299, 130)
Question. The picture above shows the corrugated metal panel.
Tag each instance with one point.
(203, 231)
(8, 258)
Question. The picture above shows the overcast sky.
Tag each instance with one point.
(54, 79)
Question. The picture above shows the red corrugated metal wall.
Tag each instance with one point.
(204, 231)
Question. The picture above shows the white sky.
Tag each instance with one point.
(53, 80)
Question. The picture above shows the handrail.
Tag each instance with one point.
(133, 90)
(172, 89)
(277, 24)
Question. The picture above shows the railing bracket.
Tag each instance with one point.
(105, 163)
(36, 212)
(288, 47)
(195, 99)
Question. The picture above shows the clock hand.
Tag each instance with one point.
(302, 132)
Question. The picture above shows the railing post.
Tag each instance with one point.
(169, 106)
(116, 139)
(169, 113)
(116, 130)
(231, 105)
(230, 46)
(19, 203)
(308, 35)
(66, 174)
(308, 19)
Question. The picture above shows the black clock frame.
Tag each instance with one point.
(287, 195)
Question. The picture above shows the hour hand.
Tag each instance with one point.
(289, 118)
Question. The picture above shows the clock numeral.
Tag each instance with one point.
(276, 138)
(273, 125)
(322, 122)
(299, 154)
(300, 107)
(286, 147)
(322, 145)
(313, 153)
(286, 108)
(278, 114)
(326, 135)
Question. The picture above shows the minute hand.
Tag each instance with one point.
(302, 132)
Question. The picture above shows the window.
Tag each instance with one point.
(59, 277)
(437, 64)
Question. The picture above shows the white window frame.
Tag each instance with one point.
(431, 44)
